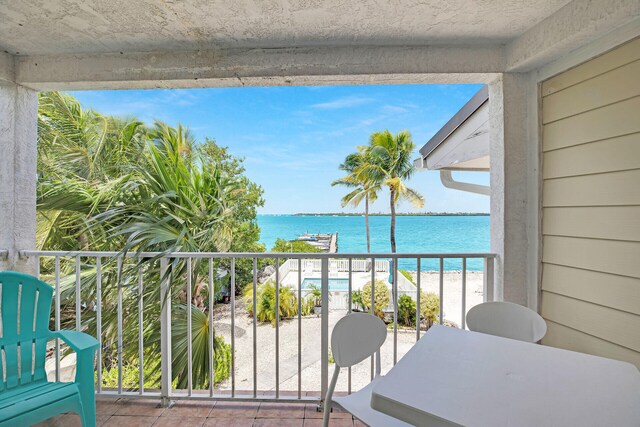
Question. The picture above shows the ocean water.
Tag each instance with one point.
(414, 234)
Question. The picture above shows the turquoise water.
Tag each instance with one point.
(334, 284)
(414, 234)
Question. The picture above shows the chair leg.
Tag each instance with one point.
(328, 397)
(84, 378)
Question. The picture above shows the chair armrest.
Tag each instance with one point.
(78, 341)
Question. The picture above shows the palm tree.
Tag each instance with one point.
(391, 165)
(363, 187)
(108, 183)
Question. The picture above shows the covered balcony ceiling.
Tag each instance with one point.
(93, 26)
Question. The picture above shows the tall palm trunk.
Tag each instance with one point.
(393, 219)
(366, 222)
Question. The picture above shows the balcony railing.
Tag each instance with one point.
(352, 268)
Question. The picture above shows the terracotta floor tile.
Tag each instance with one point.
(189, 409)
(179, 421)
(340, 422)
(281, 410)
(129, 421)
(358, 423)
(311, 411)
(101, 419)
(229, 422)
(148, 407)
(270, 422)
(234, 410)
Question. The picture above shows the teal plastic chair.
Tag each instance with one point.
(26, 396)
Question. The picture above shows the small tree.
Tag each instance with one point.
(381, 297)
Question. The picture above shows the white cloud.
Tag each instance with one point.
(346, 102)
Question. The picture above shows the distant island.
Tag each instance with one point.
(398, 214)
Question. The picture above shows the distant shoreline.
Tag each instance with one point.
(399, 214)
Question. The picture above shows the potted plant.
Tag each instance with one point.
(315, 293)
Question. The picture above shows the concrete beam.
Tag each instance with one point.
(18, 145)
(239, 67)
(7, 69)
(575, 25)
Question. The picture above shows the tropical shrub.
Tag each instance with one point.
(381, 297)
(356, 300)
(266, 302)
(406, 311)
(429, 309)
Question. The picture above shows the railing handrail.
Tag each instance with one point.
(311, 255)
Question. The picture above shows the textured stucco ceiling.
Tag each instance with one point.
(35, 27)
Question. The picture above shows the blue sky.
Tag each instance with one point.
(294, 138)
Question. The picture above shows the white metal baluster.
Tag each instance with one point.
(299, 329)
(277, 313)
(349, 311)
(464, 292)
(373, 301)
(99, 318)
(78, 300)
(324, 328)
(119, 278)
(140, 335)
(189, 332)
(211, 337)
(418, 312)
(233, 326)
(255, 328)
(57, 314)
(488, 285)
(165, 333)
(441, 291)
(394, 287)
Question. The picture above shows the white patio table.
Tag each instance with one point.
(457, 377)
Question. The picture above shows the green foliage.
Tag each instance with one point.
(407, 275)
(429, 309)
(307, 306)
(266, 302)
(114, 184)
(357, 301)
(381, 297)
(406, 311)
(294, 246)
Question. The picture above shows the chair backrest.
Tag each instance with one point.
(25, 303)
(356, 337)
(508, 320)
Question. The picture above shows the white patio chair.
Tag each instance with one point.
(354, 338)
(508, 320)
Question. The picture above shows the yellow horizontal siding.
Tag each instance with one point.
(620, 56)
(617, 154)
(608, 256)
(619, 292)
(606, 122)
(607, 189)
(591, 206)
(618, 327)
(571, 339)
(608, 88)
(605, 222)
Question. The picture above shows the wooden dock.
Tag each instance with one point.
(325, 242)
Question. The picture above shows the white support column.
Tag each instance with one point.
(18, 155)
(510, 185)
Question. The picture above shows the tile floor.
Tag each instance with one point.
(147, 413)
